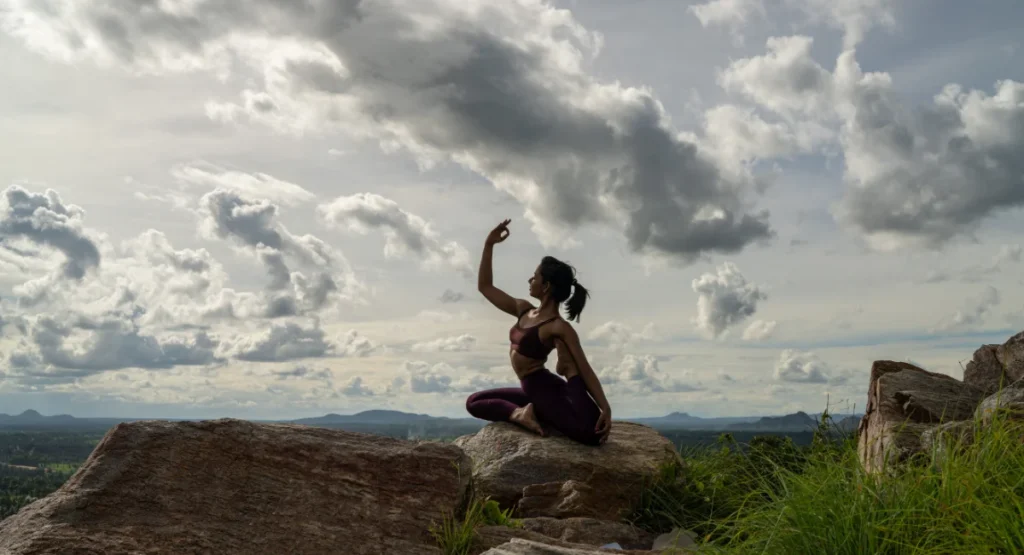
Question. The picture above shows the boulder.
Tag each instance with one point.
(1010, 400)
(995, 366)
(565, 500)
(507, 459)
(940, 438)
(232, 486)
(519, 546)
(903, 402)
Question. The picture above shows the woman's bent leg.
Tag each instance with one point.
(496, 405)
(560, 405)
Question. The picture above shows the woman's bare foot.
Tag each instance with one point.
(525, 417)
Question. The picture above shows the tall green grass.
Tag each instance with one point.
(773, 499)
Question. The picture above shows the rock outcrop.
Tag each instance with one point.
(556, 477)
(995, 366)
(903, 402)
(231, 486)
(911, 410)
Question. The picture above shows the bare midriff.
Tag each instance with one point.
(524, 365)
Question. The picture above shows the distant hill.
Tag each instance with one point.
(682, 420)
(796, 422)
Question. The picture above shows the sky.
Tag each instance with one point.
(276, 210)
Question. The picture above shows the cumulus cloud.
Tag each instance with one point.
(423, 77)
(63, 349)
(354, 345)
(911, 175)
(759, 330)
(281, 342)
(724, 299)
(43, 220)
(406, 233)
(355, 388)
(619, 336)
(259, 185)
(422, 377)
(801, 367)
(253, 225)
(459, 343)
(641, 374)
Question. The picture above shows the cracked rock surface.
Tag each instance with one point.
(233, 486)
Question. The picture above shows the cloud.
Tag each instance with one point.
(79, 345)
(354, 345)
(355, 388)
(975, 311)
(641, 374)
(499, 88)
(724, 299)
(281, 342)
(253, 225)
(619, 336)
(801, 367)
(259, 185)
(406, 233)
(759, 330)
(450, 296)
(854, 17)
(911, 175)
(1006, 256)
(304, 372)
(731, 13)
(786, 80)
(460, 343)
(422, 377)
(42, 219)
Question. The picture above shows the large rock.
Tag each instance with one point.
(1009, 400)
(231, 486)
(995, 366)
(903, 402)
(507, 459)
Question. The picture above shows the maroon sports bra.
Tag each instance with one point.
(526, 341)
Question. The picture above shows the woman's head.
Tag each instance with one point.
(556, 280)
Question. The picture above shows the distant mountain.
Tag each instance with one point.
(32, 416)
(797, 422)
(682, 420)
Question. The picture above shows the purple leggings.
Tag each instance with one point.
(564, 405)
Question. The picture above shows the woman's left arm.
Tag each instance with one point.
(565, 332)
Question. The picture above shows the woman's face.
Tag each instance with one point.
(537, 285)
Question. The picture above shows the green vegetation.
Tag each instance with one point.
(455, 535)
(774, 497)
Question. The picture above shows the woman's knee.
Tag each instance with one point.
(470, 401)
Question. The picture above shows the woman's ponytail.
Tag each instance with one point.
(577, 301)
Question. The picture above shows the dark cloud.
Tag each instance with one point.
(43, 219)
(447, 83)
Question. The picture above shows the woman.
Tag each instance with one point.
(565, 404)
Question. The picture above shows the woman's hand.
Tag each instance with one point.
(604, 424)
(499, 233)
